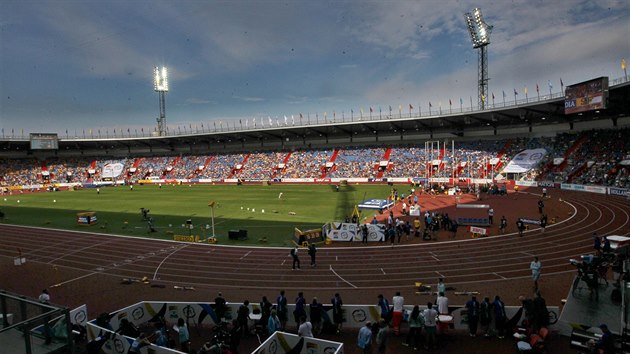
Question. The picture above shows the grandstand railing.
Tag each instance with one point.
(260, 123)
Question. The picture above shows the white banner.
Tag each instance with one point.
(338, 231)
(525, 160)
(112, 170)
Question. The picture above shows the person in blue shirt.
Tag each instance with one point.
(473, 315)
(499, 316)
(383, 304)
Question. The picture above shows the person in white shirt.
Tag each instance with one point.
(430, 324)
(397, 315)
(44, 297)
(441, 287)
(442, 304)
(442, 308)
(306, 328)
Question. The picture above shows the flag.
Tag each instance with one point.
(537, 89)
(292, 120)
(390, 108)
(561, 83)
(142, 130)
(301, 116)
(285, 120)
(240, 122)
(550, 86)
(399, 108)
(371, 110)
(515, 92)
(449, 102)
(3, 131)
(461, 101)
(493, 96)
(127, 131)
(526, 90)
(410, 107)
(503, 93)
(623, 64)
(430, 105)
(270, 121)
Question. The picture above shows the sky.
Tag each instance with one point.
(81, 65)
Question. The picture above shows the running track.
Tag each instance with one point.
(362, 271)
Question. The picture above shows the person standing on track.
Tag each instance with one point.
(541, 206)
(296, 258)
(503, 224)
(312, 251)
(520, 225)
(536, 267)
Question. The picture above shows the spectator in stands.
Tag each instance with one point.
(138, 343)
(382, 337)
(364, 339)
(44, 297)
(305, 329)
(499, 316)
(273, 323)
(430, 326)
(242, 317)
(316, 309)
(184, 335)
(606, 343)
(337, 309)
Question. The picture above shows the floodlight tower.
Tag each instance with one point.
(160, 85)
(480, 36)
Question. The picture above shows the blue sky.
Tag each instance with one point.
(88, 64)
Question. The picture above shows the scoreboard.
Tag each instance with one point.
(44, 141)
(586, 96)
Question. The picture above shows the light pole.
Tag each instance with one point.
(480, 37)
(160, 85)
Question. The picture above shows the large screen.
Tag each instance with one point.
(44, 141)
(586, 96)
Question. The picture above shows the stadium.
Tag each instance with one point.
(149, 226)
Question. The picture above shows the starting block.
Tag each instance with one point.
(19, 261)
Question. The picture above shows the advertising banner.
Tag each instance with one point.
(525, 160)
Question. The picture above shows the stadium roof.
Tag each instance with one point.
(454, 120)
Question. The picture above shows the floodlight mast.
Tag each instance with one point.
(160, 85)
(480, 36)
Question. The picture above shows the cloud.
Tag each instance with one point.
(249, 99)
(194, 100)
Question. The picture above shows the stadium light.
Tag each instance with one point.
(479, 32)
(160, 85)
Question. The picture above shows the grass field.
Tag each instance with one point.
(237, 207)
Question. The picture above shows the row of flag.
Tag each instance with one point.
(254, 122)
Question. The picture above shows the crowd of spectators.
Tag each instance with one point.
(357, 162)
(305, 164)
(599, 157)
(261, 165)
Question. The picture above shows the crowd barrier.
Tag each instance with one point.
(198, 314)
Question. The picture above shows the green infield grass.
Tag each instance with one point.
(259, 209)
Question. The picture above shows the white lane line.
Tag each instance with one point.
(500, 276)
(439, 274)
(383, 271)
(246, 254)
(165, 258)
(434, 256)
(74, 279)
(338, 276)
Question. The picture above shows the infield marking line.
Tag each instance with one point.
(246, 254)
(500, 276)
